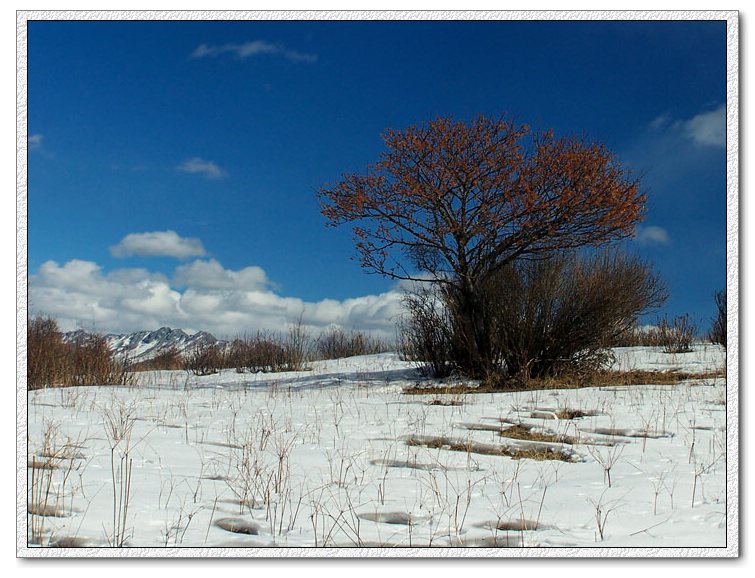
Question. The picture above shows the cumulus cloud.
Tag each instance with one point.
(79, 294)
(200, 166)
(708, 128)
(158, 244)
(201, 295)
(251, 49)
(211, 275)
(651, 235)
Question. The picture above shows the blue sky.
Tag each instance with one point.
(173, 165)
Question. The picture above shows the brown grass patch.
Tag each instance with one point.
(445, 402)
(595, 379)
(568, 413)
(47, 510)
(456, 389)
(643, 377)
(449, 444)
(518, 432)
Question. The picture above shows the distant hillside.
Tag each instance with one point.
(144, 345)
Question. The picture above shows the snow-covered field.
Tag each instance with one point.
(338, 456)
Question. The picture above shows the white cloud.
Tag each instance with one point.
(708, 128)
(34, 141)
(211, 275)
(79, 294)
(158, 244)
(253, 48)
(651, 235)
(200, 166)
(202, 295)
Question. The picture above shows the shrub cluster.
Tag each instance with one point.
(636, 336)
(718, 331)
(261, 352)
(168, 359)
(336, 343)
(205, 359)
(52, 362)
(425, 333)
(677, 335)
(536, 318)
(265, 352)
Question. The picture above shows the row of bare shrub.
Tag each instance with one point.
(51, 362)
(270, 352)
(540, 318)
(168, 358)
(675, 335)
(336, 343)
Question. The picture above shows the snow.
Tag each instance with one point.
(338, 456)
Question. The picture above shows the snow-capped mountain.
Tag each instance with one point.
(144, 345)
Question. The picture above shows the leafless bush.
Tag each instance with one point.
(269, 351)
(536, 318)
(86, 361)
(167, 359)
(298, 345)
(425, 333)
(95, 364)
(205, 359)
(561, 314)
(677, 335)
(336, 343)
(47, 355)
(636, 336)
(718, 331)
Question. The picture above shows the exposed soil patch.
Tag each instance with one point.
(71, 542)
(568, 413)
(708, 428)
(456, 389)
(407, 464)
(238, 526)
(445, 402)
(42, 465)
(520, 432)
(537, 452)
(515, 525)
(216, 478)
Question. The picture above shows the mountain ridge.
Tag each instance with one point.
(145, 345)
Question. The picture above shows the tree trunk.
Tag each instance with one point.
(474, 346)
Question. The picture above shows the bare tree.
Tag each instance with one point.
(461, 201)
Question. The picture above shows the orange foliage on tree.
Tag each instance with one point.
(462, 200)
(459, 202)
